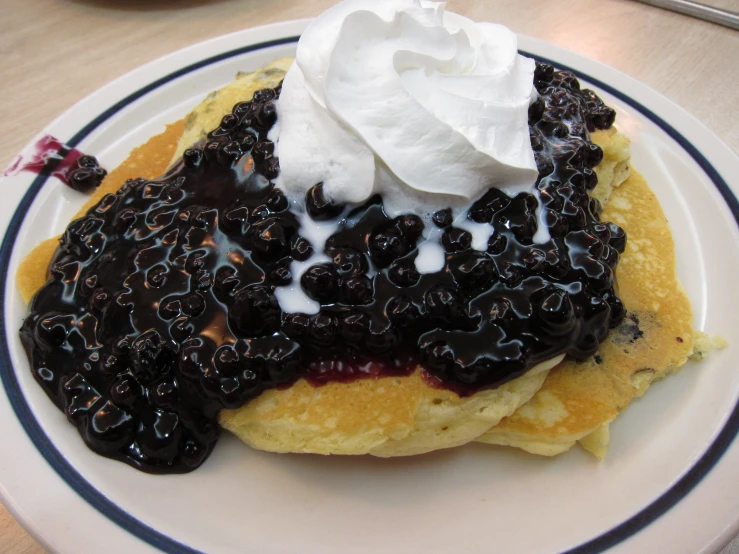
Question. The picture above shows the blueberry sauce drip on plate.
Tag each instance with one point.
(160, 308)
(69, 165)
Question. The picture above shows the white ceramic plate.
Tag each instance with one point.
(669, 483)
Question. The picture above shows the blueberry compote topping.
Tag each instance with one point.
(160, 309)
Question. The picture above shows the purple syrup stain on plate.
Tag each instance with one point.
(51, 156)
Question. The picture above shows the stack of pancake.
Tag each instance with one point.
(553, 406)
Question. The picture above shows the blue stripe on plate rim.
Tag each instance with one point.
(165, 543)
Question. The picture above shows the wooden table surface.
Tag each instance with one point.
(55, 52)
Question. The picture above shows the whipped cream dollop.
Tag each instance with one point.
(398, 97)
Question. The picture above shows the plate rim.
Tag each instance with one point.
(125, 521)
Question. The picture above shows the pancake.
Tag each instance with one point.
(390, 416)
(615, 166)
(579, 400)
(394, 416)
(208, 114)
